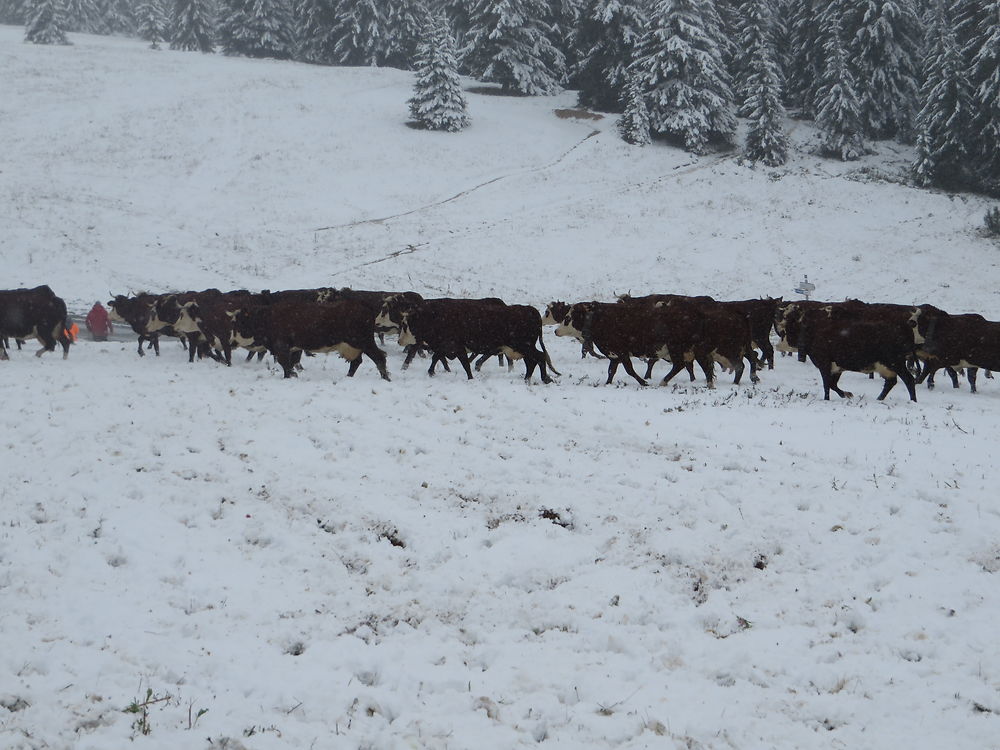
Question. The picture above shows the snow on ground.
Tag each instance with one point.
(333, 562)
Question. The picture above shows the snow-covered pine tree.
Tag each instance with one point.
(438, 102)
(358, 32)
(83, 15)
(314, 24)
(509, 43)
(46, 23)
(766, 141)
(983, 52)
(563, 19)
(152, 22)
(606, 38)
(405, 21)
(945, 114)
(805, 52)
(884, 55)
(191, 28)
(633, 125)
(256, 28)
(13, 12)
(118, 16)
(679, 65)
(838, 112)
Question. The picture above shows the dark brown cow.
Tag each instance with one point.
(135, 311)
(288, 329)
(33, 313)
(454, 328)
(760, 314)
(397, 307)
(622, 331)
(855, 344)
(952, 341)
(211, 315)
(726, 331)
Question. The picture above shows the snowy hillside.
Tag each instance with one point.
(348, 563)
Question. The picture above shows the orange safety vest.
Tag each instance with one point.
(72, 332)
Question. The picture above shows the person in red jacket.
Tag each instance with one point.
(98, 322)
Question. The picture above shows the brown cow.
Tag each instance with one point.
(952, 341)
(623, 331)
(847, 343)
(454, 328)
(288, 329)
(33, 313)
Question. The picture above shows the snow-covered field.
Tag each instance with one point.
(349, 563)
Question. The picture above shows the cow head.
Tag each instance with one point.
(924, 321)
(406, 337)
(554, 313)
(576, 321)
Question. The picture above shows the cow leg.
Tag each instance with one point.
(613, 363)
(249, 355)
(154, 341)
(141, 340)
(989, 374)
(738, 368)
(353, 366)
(707, 365)
(65, 341)
(482, 359)
(434, 360)
(889, 383)
(689, 366)
(953, 375)
(192, 347)
(627, 364)
(834, 380)
(4, 343)
(908, 381)
(754, 366)
(411, 352)
(971, 375)
(649, 367)
(927, 373)
(286, 358)
(463, 357)
(675, 367)
(377, 356)
(767, 350)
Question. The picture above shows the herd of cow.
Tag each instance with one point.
(896, 341)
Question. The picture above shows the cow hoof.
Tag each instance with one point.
(848, 394)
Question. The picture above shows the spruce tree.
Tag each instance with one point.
(633, 125)
(805, 53)
(884, 53)
(838, 112)
(606, 38)
(46, 23)
(509, 43)
(358, 32)
(983, 53)
(191, 27)
(405, 21)
(679, 65)
(256, 28)
(152, 22)
(118, 16)
(314, 24)
(13, 12)
(83, 15)
(438, 102)
(766, 141)
(945, 114)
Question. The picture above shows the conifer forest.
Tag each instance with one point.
(921, 72)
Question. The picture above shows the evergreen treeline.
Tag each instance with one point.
(925, 72)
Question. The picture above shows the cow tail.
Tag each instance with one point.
(548, 360)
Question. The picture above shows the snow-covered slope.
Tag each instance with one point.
(333, 562)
